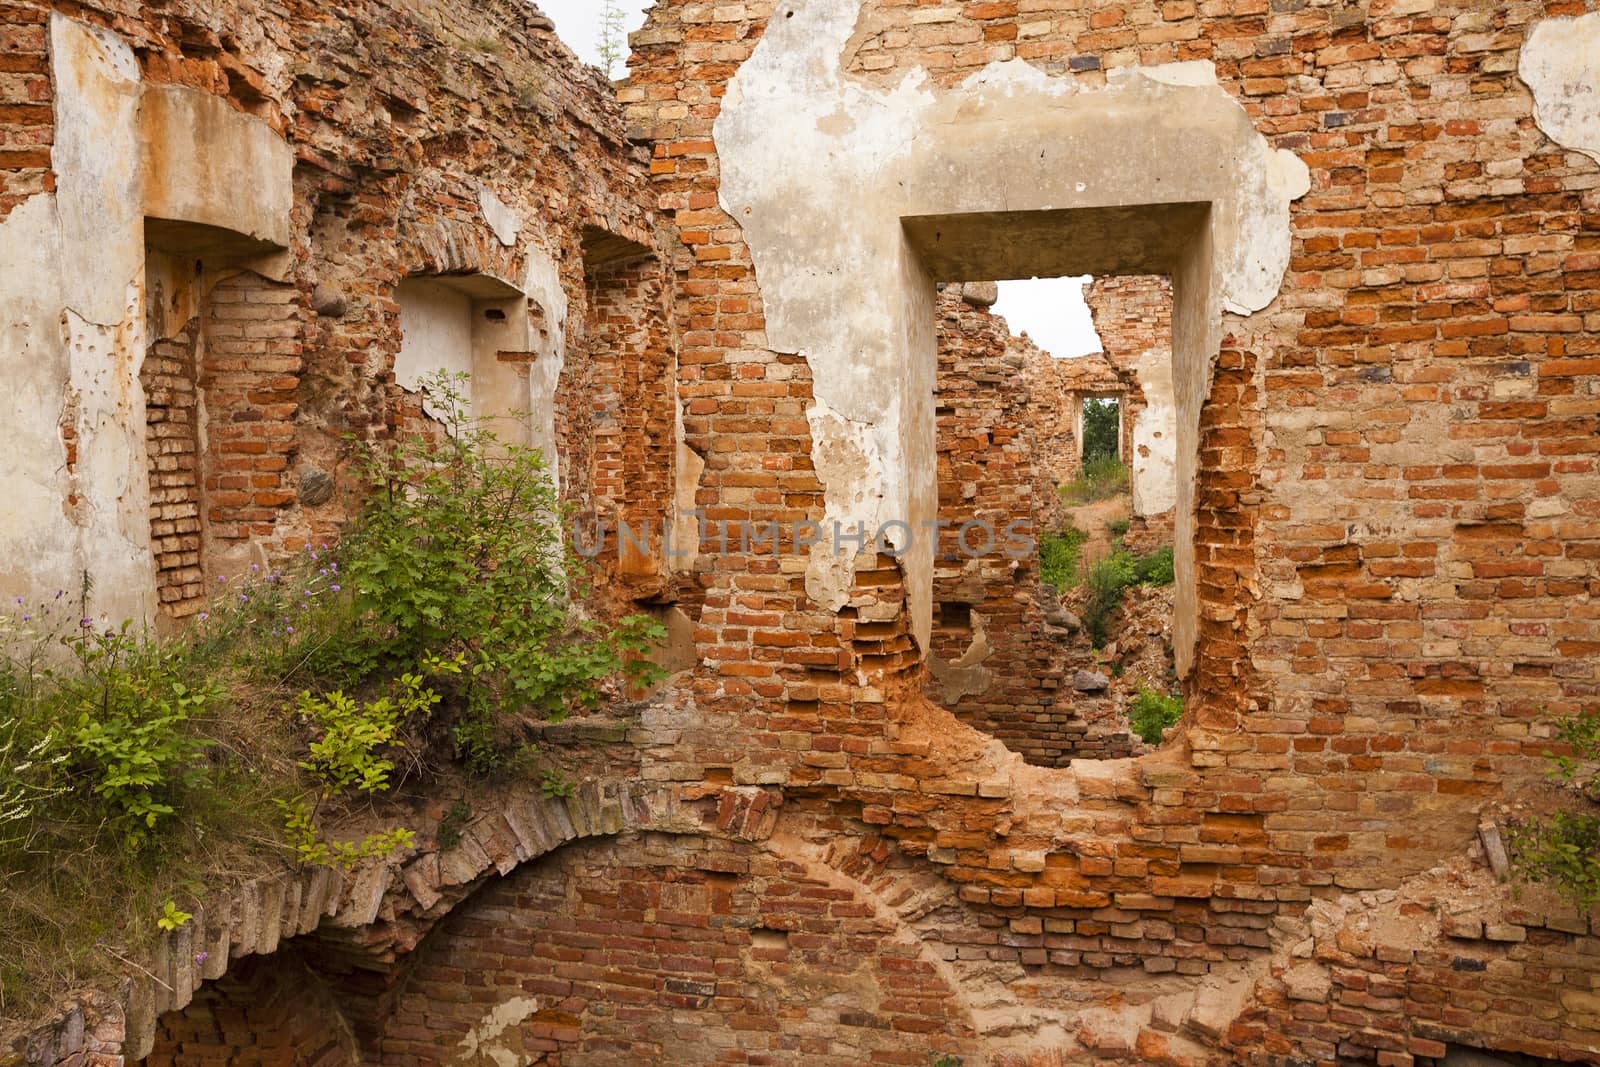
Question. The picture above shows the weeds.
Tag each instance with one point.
(1111, 577)
(1150, 713)
(1562, 848)
(1059, 555)
(133, 769)
(1100, 479)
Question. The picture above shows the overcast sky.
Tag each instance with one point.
(1051, 311)
(578, 24)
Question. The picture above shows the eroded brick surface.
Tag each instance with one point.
(1396, 535)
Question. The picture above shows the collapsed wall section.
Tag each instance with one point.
(1004, 651)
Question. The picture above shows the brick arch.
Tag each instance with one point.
(456, 246)
(695, 905)
(360, 921)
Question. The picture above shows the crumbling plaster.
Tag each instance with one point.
(72, 342)
(823, 172)
(1560, 63)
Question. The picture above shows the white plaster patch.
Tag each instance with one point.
(501, 219)
(543, 286)
(482, 1041)
(1560, 63)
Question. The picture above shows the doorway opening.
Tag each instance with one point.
(1063, 651)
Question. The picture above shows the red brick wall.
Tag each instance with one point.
(170, 380)
(266, 1012)
(659, 949)
(621, 368)
(27, 117)
(1397, 538)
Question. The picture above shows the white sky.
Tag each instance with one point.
(578, 24)
(1050, 310)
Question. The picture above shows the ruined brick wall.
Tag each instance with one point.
(406, 121)
(631, 380)
(1397, 550)
(1003, 649)
(1057, 388)
(1133, 316)
(1377, 632)
(27, 121)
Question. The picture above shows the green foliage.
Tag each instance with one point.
(1100, 479)
(554, 784)
(1150, 713)
(312, 850)
(1111, 577)
(129, 712)
(171, 918)
(1059, 555)
(947, 1061)
(613, 40)
(351, 733)
(1156, 568)
(460, 554)
(1102, 429)
(1118, 527)
(132, 768)
(1562, 848)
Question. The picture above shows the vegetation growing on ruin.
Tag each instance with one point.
(134, 770)
(1150, 713)
(1100, 479)
(1059, 556)
(1102, 429)
(1562, 848)
(1110, 578)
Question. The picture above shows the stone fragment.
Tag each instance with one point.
(1090, 682)
(1307, 981)
(328, 301)
(316, 485)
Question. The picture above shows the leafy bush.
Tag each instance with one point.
(1059, 556)
(1562, 848)
(1107, 580)
(1156, 568)
(1113, 576)
(1100, 479)
(460, 553)
(1118, 527)
(1150, 713)
(128, 713)
(132, 767)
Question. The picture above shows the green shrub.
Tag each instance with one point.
(460, 552)
(1150, 713)
(1100, 479)
(1118, 527)
(131, 768)
(1562, 848)
(1156, 568)
(1059, 555)
(1113, 576)
(1107, 581)
(128, 713)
